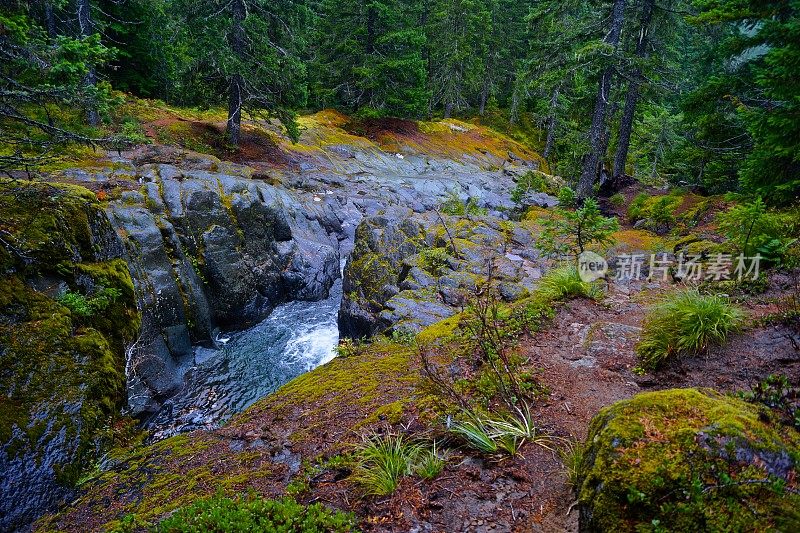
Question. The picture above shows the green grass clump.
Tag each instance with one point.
(493, 434)
(685, 323)
(430, 463)
(255, 514)
(383, 461)
(565, 282)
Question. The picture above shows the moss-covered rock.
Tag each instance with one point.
(689, 460)
(63, 378)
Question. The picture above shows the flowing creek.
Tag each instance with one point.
(295, 338)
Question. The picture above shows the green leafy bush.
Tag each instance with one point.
(617, 200)
(454, 206)
(255, 514)
(636, 211)
(658, 212)
(86, 307)
(777, 393)
(570, 233)
(685, 323)
(752, 229)
(567, 197)
(433, 261)
(565, 282)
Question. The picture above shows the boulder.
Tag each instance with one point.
(689, 460)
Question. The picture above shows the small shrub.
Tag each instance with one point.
(752, 228)
(636, 211)
(565, 282)
(255, 514)
(77, 303)
(86, 307)
(777, 393)
(531, 181)
(433, 261)
(685, 323)
(617, 200)
(404, 337)
(383, 461)
(347, 347)
(570, 233)
(133, 132)
(662, 212)
(454, 206)
(567, 197)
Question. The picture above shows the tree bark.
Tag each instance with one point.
(591, 161)
(551, 125)
(484, 94)
(632, 97)
(49, 18)
(86, 28)
(236, 84)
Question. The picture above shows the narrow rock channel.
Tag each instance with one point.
(250, 364)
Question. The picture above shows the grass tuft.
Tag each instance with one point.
(490, 434)
(382, 461)
(430, 463)
(685, 323)
(564, 282)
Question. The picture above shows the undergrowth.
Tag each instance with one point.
(565, 282)
(383, 460)
(246, 514)
(685, 323)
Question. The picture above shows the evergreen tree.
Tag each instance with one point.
(458, 36)
(245, 52)
(42, 75)
(597, 143)
(370, 55)
(757, 90)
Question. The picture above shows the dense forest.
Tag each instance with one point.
(692, 92)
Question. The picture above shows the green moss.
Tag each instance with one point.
(688, 460)
(359, 377)
(391, 413)
(63, 371)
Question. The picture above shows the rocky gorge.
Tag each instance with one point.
(170, 321)
(213, 247)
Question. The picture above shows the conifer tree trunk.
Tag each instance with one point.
(236, 88)
(49, 18)
(632, 97)
(551, 125)
(484, 94)
(86, 28)
(591, 162)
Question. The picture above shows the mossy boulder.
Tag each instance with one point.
(63, 368)
(689, 460)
